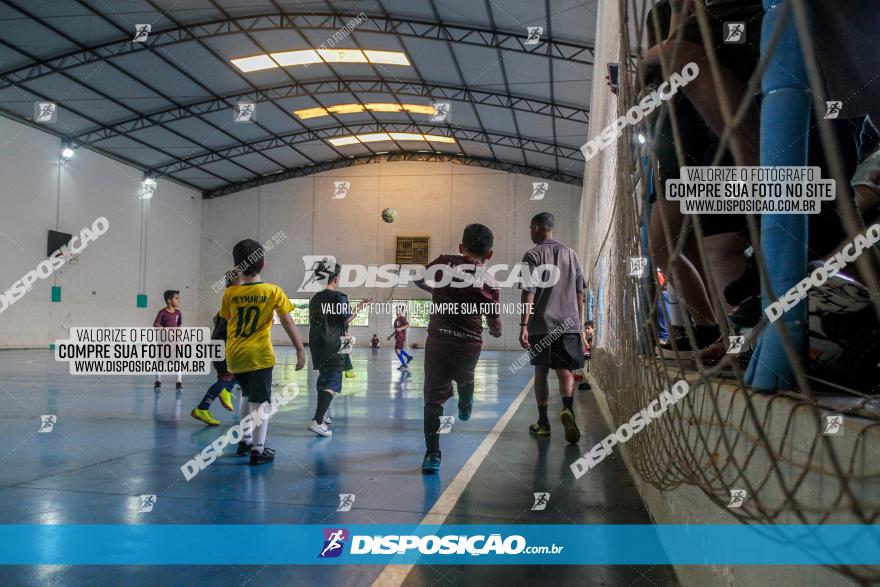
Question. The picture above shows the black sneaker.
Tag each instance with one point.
(244, 448)
(261, 458)
(584, 385)
(431, 462)
(464, 411)
(178, 386)
(157, 387)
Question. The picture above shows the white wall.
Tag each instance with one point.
(431, 199)
(101, 288)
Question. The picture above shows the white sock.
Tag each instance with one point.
(244, 410)
(159, 377)
(180, 377)
(260, 431)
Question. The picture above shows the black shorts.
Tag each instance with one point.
(447, 361)
(565, 352)
(256, 385)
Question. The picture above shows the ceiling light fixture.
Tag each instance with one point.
(353, 108)
(383, 136)
(314, 56)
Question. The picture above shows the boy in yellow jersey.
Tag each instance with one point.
(249, 312)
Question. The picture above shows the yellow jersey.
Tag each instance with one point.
(249, 312)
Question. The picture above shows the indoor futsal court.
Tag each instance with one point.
(425, 293)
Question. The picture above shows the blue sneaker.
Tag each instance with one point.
(431, 464)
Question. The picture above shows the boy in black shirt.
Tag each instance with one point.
(329, 317)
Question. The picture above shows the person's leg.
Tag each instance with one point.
(400, 356)
(437, 390)
(259, 401)
(157, 384)
(542, 397)
(465, 361)
(328, 385)
(704, 93)
(212, 394)
(566, 356)
(247, 439)
(682, 273)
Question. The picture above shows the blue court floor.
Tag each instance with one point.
(115, 440)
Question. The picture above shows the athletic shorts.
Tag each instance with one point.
(565, 352)
(445, 362)
(256, 385)
(331, 380)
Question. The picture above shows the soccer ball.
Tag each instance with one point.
(389, 214)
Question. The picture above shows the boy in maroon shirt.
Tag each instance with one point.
(455, 333)
(399, 335)
(169, 317)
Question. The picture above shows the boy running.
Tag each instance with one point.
(455, 337)
(248, 310)
(169, 317)
(399, 334)
(329, 317)
(225, 380)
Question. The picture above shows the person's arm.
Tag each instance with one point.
(156, 323)
(355, 311)
(494, 324)
(284, 307)
(292, 333)
(526, 299)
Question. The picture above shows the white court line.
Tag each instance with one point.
(393, 575)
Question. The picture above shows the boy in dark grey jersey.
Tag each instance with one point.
(551, 329)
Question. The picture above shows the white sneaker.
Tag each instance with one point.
(319, 429)
(327, 419)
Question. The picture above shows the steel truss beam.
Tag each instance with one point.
(299, 137)
(299, 89)
(405, 156)
(461, 35)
